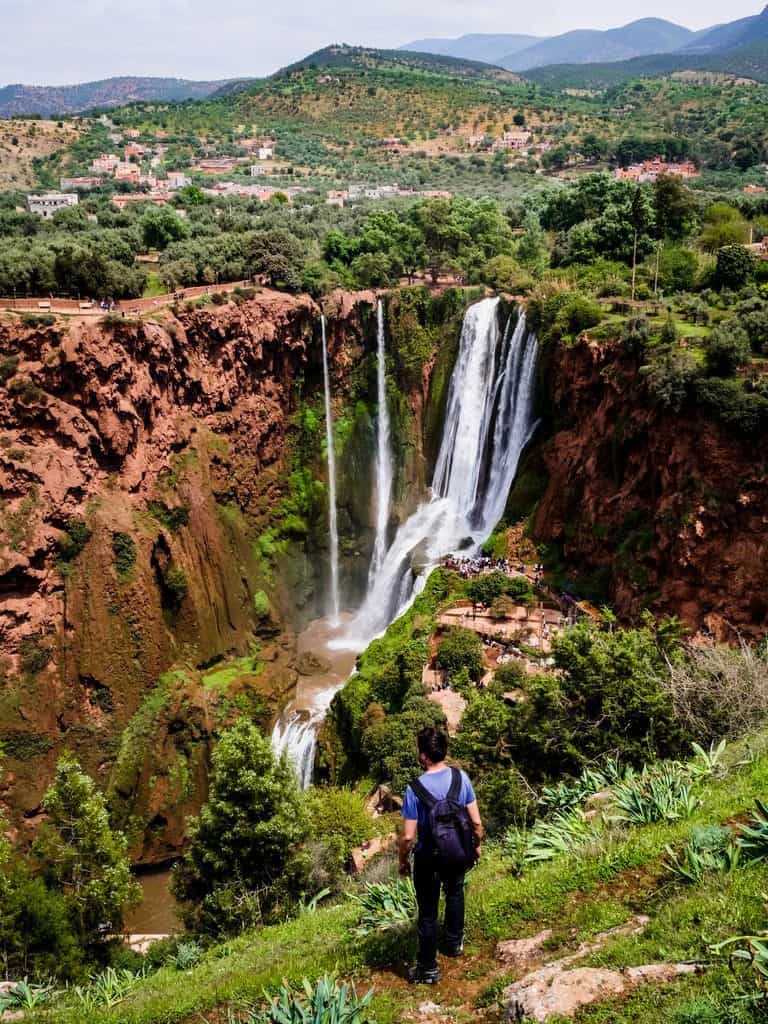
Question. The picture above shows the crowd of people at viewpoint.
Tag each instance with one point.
(479, 565)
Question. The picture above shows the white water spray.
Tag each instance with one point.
(384, 469)
(489, 419)
(488, 422)
(333, 523)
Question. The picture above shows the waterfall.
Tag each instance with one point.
(295, 734)
(384, 469)
(333, 524)
(489, 419)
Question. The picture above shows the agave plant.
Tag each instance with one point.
(753, 838)
(326, 1002)
(707, 762)
(385, 905)
(751, 950)
(108, 988)
(661, 793)
(710, 848)
(561, 834)
(24, 996)
(186, 955)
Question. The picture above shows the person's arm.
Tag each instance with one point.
(477, 824)
(407, 839)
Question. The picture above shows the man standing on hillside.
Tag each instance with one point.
(441, 816)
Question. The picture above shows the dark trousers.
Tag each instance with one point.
(428, 879)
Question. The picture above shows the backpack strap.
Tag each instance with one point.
(423, 794)
(456, 783)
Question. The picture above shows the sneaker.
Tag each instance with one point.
(454, 951)
(419, 975)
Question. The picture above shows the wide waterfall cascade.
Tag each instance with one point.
(384, 467)
(333, 521)
(489, 419)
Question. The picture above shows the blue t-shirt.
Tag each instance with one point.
(438, 784)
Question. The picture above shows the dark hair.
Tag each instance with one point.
(433, 744)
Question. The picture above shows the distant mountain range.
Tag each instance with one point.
(736, 48)
(17, 100)
(489, 48)
(588, 58)
(582, 46)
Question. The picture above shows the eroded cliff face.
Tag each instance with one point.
(139, 463)
(659, 510)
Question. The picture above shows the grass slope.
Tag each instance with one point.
(576, 896)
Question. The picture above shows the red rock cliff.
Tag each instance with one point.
(670, 511)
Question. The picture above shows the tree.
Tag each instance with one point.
(726, 350)
(635, 335)
(674, 208)
(461, 649)
(160, 226)
(723, 225)
(735, 265)
(245, 837)
(83, 857)
(278, 256)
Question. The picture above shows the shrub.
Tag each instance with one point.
(26, 392)
(461, 648)
(176, 585)
(720, 691)
(635, 335)
(33, 655)
(562, 314)
(173, 519)
(124, 549)
(509, 676)
(502, 607)
(338, 814)
(753, 837)
(660, 793)
(668, 334)
(670, 378)
(324, 1002)
(74, 537)
(727, 349)
(8, 367)
(385, 905)
(745, 412)
(261, 605)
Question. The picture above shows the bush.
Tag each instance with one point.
(735, 265)
(324, 1002)
(671, 377)
(727, 349)
(124, 549)
(8, 367)
(176, 585)
(74, 537)
(635, 335)
(338, 814)
(509, 676)
(33, 655)
(561, 315)
(261, 605)
(743, 411)
(461, 648)
(385, 905)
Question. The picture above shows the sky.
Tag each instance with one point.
(57, 42)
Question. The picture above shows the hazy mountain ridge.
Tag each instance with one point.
(19, 100)
(589, 46)
(483, 46)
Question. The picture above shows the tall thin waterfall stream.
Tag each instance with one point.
(489, 420)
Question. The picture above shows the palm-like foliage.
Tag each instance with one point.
(661, 793)
(326, 1002)
(23, 996)
(709, 849)
(108, 988)
(753, 838)
(385, 905)
(563, 833)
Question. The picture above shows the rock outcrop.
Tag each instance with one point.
(139, 462)
(651, 508)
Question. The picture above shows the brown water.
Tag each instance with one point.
(157, 913)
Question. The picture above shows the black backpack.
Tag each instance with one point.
(453, 836)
